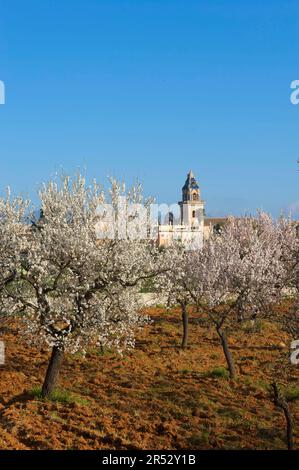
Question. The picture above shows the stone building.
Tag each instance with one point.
(188, 227)
(213, 225)
(191, 226)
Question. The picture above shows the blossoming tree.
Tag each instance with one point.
(236, 275)
(289, 240)
(287, 318)
(172, 283)
(13, 240)
(78, 282)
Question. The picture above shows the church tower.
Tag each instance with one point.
(192, 206)
(190, 229)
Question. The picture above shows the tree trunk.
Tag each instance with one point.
(185, 318)
(281, 403)
(228, 355)
(52, 372)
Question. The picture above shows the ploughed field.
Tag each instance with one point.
(156, 396)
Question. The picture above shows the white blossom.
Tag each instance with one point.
(75, 289)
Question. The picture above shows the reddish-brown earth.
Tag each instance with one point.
(154, 397)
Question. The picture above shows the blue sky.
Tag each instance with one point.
(150, 89)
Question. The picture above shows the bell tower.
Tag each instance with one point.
(192, 206)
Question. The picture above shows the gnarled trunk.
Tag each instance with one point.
(52, 371)
(281, 403)
(185, 318)
(228, 355)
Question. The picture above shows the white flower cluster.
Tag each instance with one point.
(240, 272)
(71, 288)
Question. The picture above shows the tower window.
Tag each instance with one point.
(193, 214)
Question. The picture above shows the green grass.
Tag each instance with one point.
(292, 393)
(253, 327)
(230, 413)
(220, 372)
(185, 371)
(199, 440)
(59, 396)
(214, 356)
(257, 384)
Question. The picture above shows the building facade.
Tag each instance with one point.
(188, 227)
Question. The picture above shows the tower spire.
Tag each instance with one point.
(192, 206)
(190, 189)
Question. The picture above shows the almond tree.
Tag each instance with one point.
(288, 318)
(288, 238)
(13, 240)
(174, 283)
(236, 275)
(81, 274)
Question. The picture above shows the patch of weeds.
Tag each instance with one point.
(241, 423)
(185, 371)
(179, 415)
(160, 387)
(186, 426)
(170, 328)
(292, 393)
(220, 372)
(214, 356)
(190, 403)
(100, 426)
(230, 413)
(199, 440)
(80, 401)
(59, 396)
(102, 351)
(81, 390)
(36, 392)
(205, 405)
(257, 384)
(253, 326)
(57, 418)
(267, 433)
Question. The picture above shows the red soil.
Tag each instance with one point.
(154, 397)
